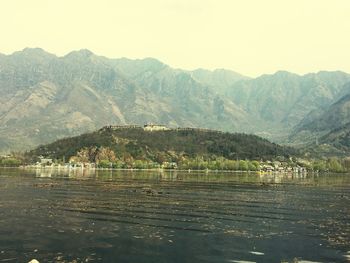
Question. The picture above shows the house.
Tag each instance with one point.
(171, 165)
(45, 161)
(268, 168)
(155, 127)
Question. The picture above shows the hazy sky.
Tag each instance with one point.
(249, 36)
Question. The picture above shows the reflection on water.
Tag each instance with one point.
(130, 216)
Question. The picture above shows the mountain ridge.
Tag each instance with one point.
(82, 88)
(44, 97)
(325, 123)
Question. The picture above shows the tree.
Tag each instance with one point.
(104, 164)
(11, 162)
(319, 166)
(105, 153)
(82, 156)
(346, 162)
(334, 165)
(256, 164)
(243, 166)
(252, 166)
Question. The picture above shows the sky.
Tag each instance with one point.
(252, 37)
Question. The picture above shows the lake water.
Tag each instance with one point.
(124, 216)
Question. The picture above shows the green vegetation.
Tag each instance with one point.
(10, 162)
(194, 149)
(161, 146)
(13, 160)
(333, 164)
(220, 164)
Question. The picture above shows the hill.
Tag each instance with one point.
(170, 145)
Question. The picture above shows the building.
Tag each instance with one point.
(45, 161)
(155, 127)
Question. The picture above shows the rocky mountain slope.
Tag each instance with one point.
(44, 97)
(339, 138)
(282, 100)
(326, 126)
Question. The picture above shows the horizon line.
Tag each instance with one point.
(176, 68)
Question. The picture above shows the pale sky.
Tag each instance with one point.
(251, 37)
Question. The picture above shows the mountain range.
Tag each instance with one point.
(44, 97)
(330, 126)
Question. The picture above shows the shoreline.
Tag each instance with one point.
(64, 168)
(260, 172)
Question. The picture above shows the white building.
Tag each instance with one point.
(155, 127)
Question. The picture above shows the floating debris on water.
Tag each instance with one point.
(257, 253)
(241, 261)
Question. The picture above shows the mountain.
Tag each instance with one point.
(327, 126)
(138, 67)
(220, 80)
(44, 97)
(170, 144)
(339, 138)
(175, 98)
(281, 100)
(333, 117)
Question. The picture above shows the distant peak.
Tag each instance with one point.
(33, 52)
(284, 73)
(36, 50)
(281, 74)
(152, 61)
(219, 73)
(223, 70)
(33, 49)
(85, 52)
(81, 53)
(330, 72)
(228, 71)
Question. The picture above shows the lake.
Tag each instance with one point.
(137, 216)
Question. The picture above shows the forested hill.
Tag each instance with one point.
(170, 145)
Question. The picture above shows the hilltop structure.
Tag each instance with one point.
(155, 127)
(147, 127)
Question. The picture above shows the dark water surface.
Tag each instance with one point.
(124, 216)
